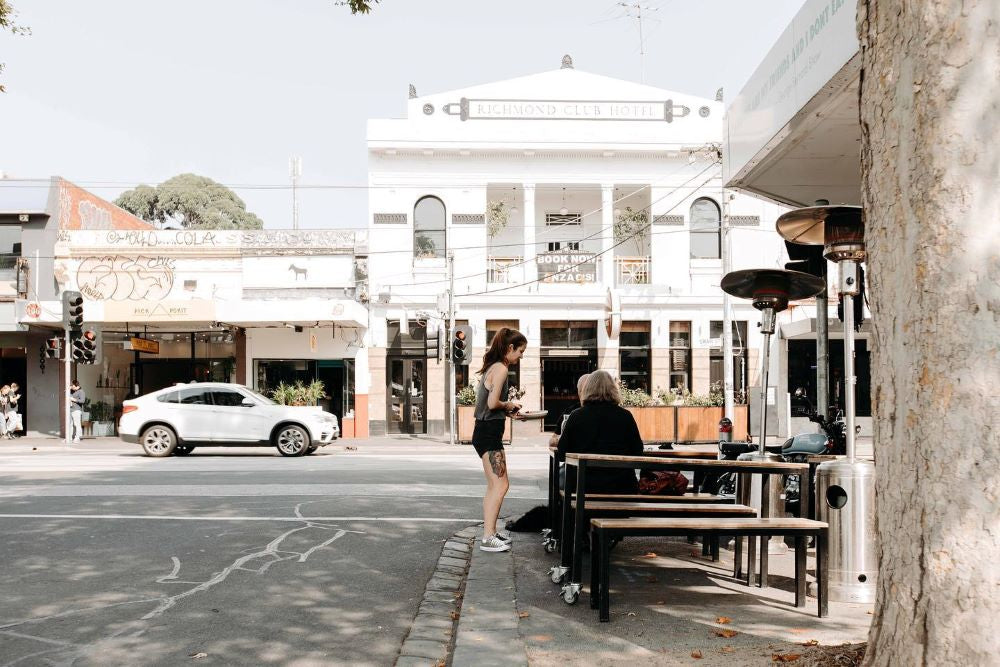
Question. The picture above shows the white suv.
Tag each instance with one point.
(176, 419)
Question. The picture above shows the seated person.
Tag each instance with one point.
(554, 440)
(603, 426)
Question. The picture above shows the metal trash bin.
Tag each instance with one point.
(748, 493)
(845, 499)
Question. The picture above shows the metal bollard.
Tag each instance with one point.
(845, 499)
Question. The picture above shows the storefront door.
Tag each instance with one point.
(559, 378)
(406, 395)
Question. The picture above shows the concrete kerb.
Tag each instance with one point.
(432, 633)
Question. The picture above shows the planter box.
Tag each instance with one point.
(669, 423)
(102, 429)
(467, 422)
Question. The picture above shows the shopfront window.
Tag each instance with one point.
(741, 366)
(680, 355)
(705, 229)
(337, 376)
(634, 355)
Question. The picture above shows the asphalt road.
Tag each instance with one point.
(229, 556)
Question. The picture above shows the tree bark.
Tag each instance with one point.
(930, 119)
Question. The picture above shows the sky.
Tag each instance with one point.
(113, 93)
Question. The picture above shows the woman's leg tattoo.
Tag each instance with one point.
(498, 462)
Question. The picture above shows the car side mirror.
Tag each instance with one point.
(248, 403)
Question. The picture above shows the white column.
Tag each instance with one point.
(530, 249)
(607, 235)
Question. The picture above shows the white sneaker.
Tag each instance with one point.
(493, 543)
(76, 441)
(504, 535)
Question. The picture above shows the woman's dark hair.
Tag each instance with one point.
(498, 347)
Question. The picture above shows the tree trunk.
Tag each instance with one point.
(930, 118)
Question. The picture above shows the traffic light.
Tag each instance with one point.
(859, 302)
(54, 348)
(806, 258)
(461, 345)
(72, 311)
(432, 341)
(86, 346)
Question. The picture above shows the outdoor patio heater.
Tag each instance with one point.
(770, 290)
(844, 488)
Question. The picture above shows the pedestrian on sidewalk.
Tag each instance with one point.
(77, 398)
(4, 407)
(491, 414)
(12, 417)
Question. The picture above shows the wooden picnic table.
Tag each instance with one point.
(575, 518)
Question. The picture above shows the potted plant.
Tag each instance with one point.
(102, 419)
(497, 215)
(298, 393)
(632, 224)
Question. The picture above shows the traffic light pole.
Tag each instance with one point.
(449, 362)
(68, 371)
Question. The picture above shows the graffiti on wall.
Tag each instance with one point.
(79, 209)
(121, 278)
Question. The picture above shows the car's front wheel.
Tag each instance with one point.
(292, 440)
(158, 440)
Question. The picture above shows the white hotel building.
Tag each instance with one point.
(565, 154)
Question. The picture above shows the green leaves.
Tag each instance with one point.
(191, 201)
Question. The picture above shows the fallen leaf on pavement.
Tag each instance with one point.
(454, 615)
(350, 448)
(199, 655)
(787, 657)
(722, 620)
(649, 555)
(540, 638)
(728, 634)
(523, 614)
(867, 612)
(696, 654)
(728, 649)
(811, 642)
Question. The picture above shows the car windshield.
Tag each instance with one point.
(260, 397)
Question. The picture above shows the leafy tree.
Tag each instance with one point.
(7, 24)
(359, 6)
(192, 201)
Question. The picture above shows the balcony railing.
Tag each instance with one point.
(503, 270)
(632, 270)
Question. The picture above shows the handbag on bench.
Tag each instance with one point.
(662, 483)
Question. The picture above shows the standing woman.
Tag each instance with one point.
(4, 409)
(492, 410)
(14, 423)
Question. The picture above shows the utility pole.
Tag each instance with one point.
(295, 171)
(727, 318)
(638, 7)
(67, 372)
(449, 362)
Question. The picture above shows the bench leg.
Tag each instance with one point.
(595, 567)
(765, 512)
(576, 571)
(566, 532)
(738, 557)
(822, 572)
(604, 565)
(800, 571)
(715, 548)
(751, 560)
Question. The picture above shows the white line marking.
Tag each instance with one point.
(172, 575)
(295, 519)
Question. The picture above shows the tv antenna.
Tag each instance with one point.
(635, 10)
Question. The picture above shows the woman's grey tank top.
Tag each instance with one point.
(483, 413)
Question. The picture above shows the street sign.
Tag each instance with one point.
(145, 345)
(567, 267)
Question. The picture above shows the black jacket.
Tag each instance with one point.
(603, 428)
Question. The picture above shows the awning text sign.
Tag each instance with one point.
(569, 267)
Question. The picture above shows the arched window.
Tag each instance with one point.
(429, 228)
(705, 229)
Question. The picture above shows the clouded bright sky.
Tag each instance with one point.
(111, 93)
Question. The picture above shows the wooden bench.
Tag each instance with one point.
(598, 509)
(604, 530)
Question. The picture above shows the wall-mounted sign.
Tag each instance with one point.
(33, 310)
(145, 345)
(568, 267)
(194, 310)
(631, 110)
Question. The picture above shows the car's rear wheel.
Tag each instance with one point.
(183, 450)
(158, 440)
(292, 440)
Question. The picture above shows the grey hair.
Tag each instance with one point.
(581, 385)
(600, 388)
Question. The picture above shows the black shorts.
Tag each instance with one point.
(487, 436)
